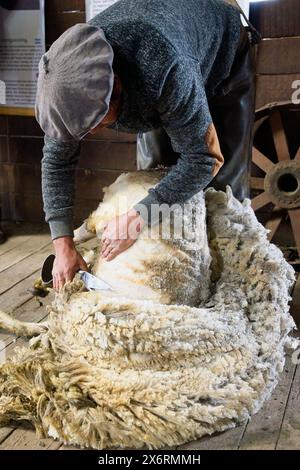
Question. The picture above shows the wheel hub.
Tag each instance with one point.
(282, 183)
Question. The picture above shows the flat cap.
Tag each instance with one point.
(75, 83)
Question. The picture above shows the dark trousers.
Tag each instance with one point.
(232, 111)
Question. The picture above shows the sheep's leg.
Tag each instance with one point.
(82, 234)
(21, 328)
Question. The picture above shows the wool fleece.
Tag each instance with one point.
(170, 262)
(111, 370)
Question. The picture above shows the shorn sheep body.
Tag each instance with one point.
(191, 341)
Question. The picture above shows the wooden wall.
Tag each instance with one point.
(278, 59)
(103, 157)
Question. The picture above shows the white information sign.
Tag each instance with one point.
(22, 43)
(93, 7)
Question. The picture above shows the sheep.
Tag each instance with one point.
(155, 364)
(182, 256)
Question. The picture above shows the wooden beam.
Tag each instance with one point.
(263, 430)
(260, 201)
(279, 136)
(261, 161)
(289, 438)
(228, 440)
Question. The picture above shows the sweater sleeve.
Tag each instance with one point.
(185, 116)
(58, 184)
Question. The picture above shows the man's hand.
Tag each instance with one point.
(67, 262)
(120, 233)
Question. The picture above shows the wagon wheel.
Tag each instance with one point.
(279, 181)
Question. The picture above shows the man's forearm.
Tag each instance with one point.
(58, 185)
(63, 245)
(189, 176)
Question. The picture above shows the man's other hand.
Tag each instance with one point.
(67, 262)
(120, 234)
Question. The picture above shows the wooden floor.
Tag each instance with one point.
(276, 426)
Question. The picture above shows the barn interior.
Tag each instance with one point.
(108, 155)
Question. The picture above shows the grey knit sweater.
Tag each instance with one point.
(171, 56)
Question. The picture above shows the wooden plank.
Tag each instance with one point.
(108, 155)
(290, 431)
(12, 299)
(19, 295)
(26, 267)
(24, 126)
(65, 5)
(5, 432)
(26, 439)
(274, 88)
(27, 180)
(90, 183)
(3, 125)
(97, 154)
(26, 249)
(27, 126)
(57, 23)
(111, 135)
(276, 18)
(32, 311)
(3, 149)
(18, 234)
(278, 56)
(22, 178)
(26, 149)
(260, 201)
(30, 208)
(228, 440)
(262, 431)
(22, 207)
(66, 447)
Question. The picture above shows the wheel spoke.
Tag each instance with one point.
(279, 137)
(295, 222)
(258, 123)
(260, 201)
(261, 161)
(274, 222)
(256, 183)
